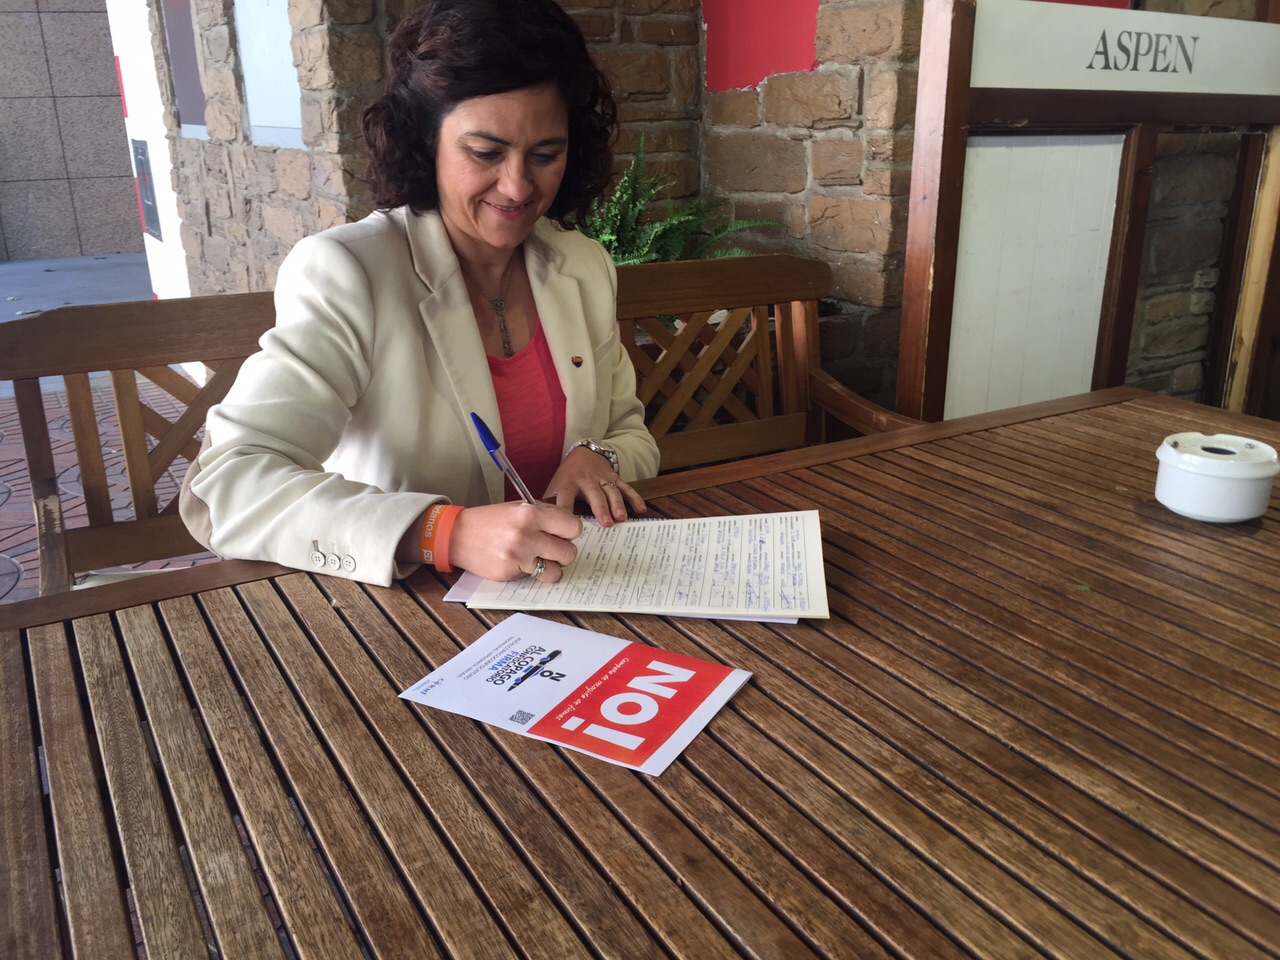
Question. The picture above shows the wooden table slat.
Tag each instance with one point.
(1104, 768)
(722, 894)
(1064, 687)
(458, 913)
(880, 753)
(235, 908)
(1088, 638)
(381, 906)
(1115, 831)
(1181, 588)
(1107, 782)
(740, 840)
(567, 876)
(291, 868)
(1080, 503)
(886, 913)
(881, 701)
(973, 472)
(1008, 600)
(870, 793)
(562, 865)
(92, 890)
(166, 913)
(1058, 462)
(28, 909)
(1134, 599)
(484, 782)
(1189, 417)
(1134, 459)
(766, 738)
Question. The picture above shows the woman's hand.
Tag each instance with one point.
(588, 477)
(503, 541)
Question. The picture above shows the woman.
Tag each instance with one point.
(346, 442)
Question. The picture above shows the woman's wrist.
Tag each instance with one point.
(601, 448)
(434, 535)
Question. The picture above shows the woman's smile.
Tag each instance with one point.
(499, 166)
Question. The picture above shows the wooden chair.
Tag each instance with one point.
(126, 342)
(727, 361)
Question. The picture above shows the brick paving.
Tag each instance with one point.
(19, 557)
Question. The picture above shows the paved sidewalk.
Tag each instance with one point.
(29, 286)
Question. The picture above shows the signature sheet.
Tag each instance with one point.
(761, 565)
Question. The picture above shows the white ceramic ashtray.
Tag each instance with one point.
(1219, 478)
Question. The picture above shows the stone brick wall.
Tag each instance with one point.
(650, 49)
(1194, 175)
(244, 206)
(828, 153)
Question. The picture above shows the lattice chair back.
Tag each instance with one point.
(723, 349)
(107, 452)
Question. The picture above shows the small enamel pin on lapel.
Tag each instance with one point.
(576, 361)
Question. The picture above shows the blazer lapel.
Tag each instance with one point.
(559, 301)
(452, 333)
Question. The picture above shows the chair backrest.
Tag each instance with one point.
(727, 357)
(134, 347)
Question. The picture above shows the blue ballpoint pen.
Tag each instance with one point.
(500, 458)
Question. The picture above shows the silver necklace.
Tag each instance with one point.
(499, 305)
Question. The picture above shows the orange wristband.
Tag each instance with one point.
(437, 526)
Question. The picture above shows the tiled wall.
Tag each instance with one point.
(66, 183)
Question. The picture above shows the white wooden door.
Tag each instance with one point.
(1035, 231)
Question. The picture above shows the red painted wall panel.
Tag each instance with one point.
(748, 40)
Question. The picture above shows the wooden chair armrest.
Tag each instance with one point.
(850, 408)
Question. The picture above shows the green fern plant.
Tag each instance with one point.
(691, 232)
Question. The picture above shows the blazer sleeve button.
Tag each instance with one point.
(332, 561)
(348, 564)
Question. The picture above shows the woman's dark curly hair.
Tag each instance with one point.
(452, 50)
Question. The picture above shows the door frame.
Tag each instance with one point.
(949, 110)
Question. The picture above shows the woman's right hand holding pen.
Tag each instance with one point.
(504, 541)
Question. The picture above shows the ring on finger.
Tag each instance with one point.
(539, 568)
(608, 483)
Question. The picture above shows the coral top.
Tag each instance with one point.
(531, 404)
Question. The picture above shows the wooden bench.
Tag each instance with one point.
(727, 357)
(120, 343)
(726, 353)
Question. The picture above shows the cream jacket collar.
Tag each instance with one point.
(450, 322)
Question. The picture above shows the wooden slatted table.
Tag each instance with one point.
(1042, 721)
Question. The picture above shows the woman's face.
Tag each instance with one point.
(499, 166)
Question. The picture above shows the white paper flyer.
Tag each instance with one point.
(628, 703)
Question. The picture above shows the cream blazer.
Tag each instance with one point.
(354, 416)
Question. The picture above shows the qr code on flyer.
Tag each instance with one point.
(521, 717)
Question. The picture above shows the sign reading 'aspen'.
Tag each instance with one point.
(1021, 45)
